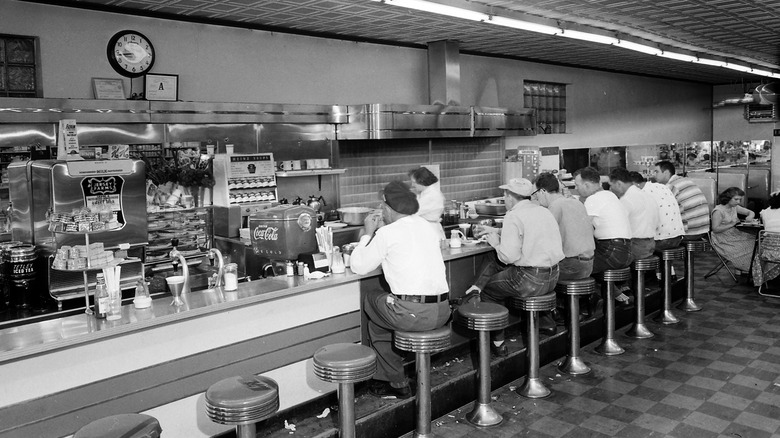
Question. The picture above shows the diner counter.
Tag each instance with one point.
(62, 372)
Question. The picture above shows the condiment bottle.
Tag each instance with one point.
(455, 241)
(337, 266)
(289, 269)
(102, 302)
(142, 299)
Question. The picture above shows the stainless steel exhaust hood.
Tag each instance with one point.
(444, 117)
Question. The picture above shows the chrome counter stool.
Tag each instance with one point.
(574, 289)
(665, 316)
(423, 344)
(639, 330)
(608, 346)
(533, 386)
(242, 401)
(483, 318)
(691, 247)
(345, 364)
(122, 425)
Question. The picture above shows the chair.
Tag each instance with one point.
(483, 318)
(345, 364)
(242, 401)
(769, 252)
(423, 344)
(533, 386)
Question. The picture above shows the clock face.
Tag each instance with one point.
(130, 53)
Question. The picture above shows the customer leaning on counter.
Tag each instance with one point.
(528, 249)
(407, 249)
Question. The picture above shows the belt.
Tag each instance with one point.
(425, 299)
(583, 258)
(614, 240)
(539, 268)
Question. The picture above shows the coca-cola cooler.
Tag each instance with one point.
(284, 232)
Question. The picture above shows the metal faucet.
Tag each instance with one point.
(220, 280)
(176, 258)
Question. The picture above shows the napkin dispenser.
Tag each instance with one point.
(316, 261)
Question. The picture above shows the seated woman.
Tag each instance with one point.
(735, 245)
(425, 184)
(770, 216)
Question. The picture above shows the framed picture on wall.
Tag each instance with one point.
(108, 88)
(161, 87)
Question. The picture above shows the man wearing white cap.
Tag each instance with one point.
(528, 249)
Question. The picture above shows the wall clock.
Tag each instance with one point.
(130, 53)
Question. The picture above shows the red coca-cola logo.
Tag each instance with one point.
(264, 232)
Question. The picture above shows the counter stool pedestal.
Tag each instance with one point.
(639, 330)
(483, 318)
(608, 346)
(691, 248)
(423, 344)
(242, 401)
(533, 386)
(665, 316)
(345, 364)
(574, 289)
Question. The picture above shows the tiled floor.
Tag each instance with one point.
(715, 374)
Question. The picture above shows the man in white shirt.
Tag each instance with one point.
(642, 212)
(670, 230)
(611, 226)
(407, 249)
(528, 249)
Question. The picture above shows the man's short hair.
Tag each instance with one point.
(589, 174)
(666, 166)
(423, 176)
(620, 174)
(548, 182)
(774, 201)
(636, 177)
(397, 196)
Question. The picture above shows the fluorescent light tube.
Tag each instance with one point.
(592, 37)
(437, 8)
(639, 47)
(712, 62)
(739, 67)
(524, 25)
(678, 56)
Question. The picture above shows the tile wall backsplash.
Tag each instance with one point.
(470, 167)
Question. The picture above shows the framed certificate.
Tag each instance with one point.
(106, 88)
(161, 87)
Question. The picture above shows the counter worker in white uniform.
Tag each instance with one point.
(642, 214)
(407, 249)
(429, 196)
(528, 249)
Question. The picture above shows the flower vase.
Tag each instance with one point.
(197, 196)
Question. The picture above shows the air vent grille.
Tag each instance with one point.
(757, 113)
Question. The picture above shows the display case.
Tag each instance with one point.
(191, 226)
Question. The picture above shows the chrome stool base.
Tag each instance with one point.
(639, 331)
(666, 317)
(484, 415)
(688, 305)
(533, 388)
(574, 366)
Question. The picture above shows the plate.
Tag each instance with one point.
(470, 242)
(335, 224)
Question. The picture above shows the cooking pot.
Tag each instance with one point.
(354, 215)
(490, 209)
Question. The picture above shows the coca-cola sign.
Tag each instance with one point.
(265, 232)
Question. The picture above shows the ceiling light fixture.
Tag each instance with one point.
(524, 25)
(592, 37)
(712, 62)
(437, 8)
(678, 56)
(739, 67)
(639, 47)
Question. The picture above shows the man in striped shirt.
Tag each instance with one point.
(693, 205)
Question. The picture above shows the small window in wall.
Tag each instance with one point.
(549, 100)
(19, 66)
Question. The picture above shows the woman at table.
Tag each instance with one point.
(770, 217)
(735, 245)
(425, 184)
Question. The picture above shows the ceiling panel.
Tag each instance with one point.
(745, 30)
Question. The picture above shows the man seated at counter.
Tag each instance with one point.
(528, 249)
(407, 249)
(642, 215)
(429, 196)
(670, 229)
(611, 225)
(693, 206)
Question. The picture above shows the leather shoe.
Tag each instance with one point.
(380, 388)
(547, 324)
(500, 351)
(559, 316)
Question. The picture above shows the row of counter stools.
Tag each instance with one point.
(245, 400)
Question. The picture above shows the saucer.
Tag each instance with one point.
(335, 224)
